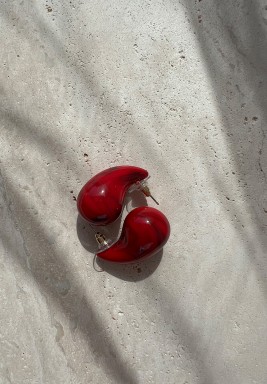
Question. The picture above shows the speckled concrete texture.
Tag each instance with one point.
(178, 88)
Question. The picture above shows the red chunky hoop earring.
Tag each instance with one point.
(145, 230)
(101, 199)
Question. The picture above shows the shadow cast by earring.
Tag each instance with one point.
(129, 272)
(86, 233)
(137, 199)
(133, 271)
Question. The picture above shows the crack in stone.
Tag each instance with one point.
(260, 154)
(12, 216)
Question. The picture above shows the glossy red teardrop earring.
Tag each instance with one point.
(145, 231)
(101, 199)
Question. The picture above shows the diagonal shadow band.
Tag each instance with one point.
(90, 84)
(186, 335)
(241, 48)
(48, 265)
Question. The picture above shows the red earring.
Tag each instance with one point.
(100, 201)
(145, 231)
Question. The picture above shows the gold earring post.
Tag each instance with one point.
(146, 192)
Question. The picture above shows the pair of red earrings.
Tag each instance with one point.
(145, 230)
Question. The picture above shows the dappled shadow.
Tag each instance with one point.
(181, 331)
(88, 82)
(46, 263)
(244, 66)
(233, 43)
(48, 266)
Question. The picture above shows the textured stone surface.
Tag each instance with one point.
(178, 88)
